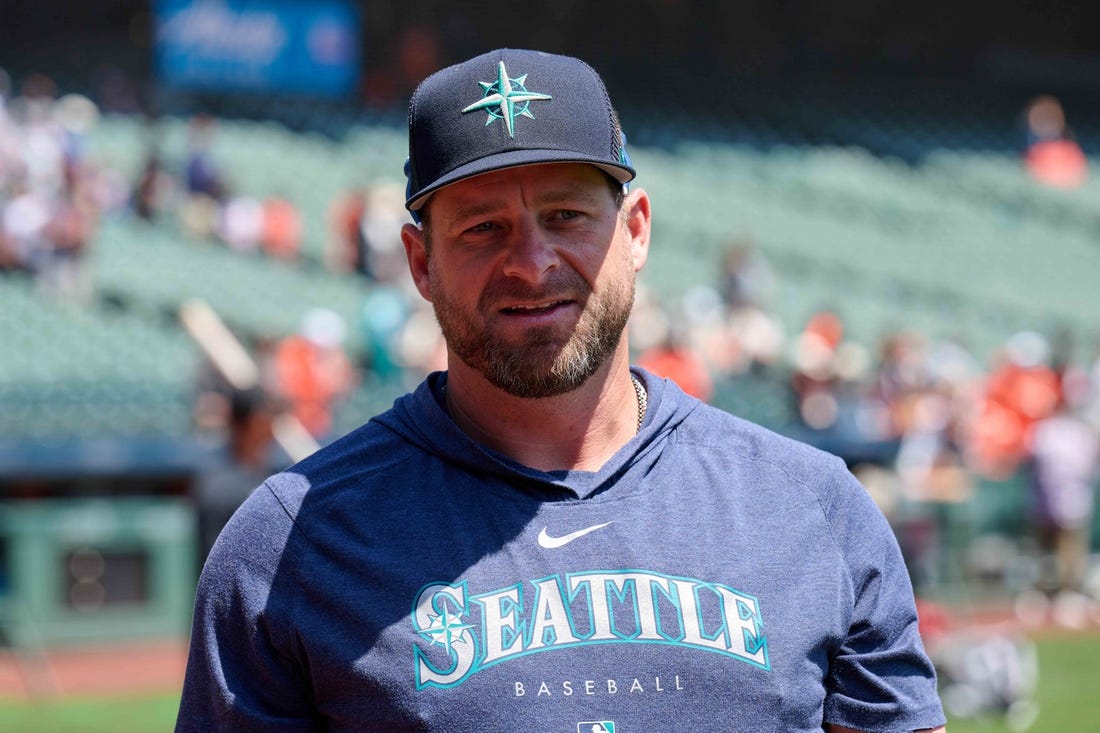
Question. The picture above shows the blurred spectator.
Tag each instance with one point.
(1020, 390)
(345, 243)
(699, 319)
(364, 225)
(648, 320)
(1064, 466)
(240, 222)
(384, 314)
(244, 464)
(69, 232)
(201, 217)
(747, 277)
(22, 226)
(214, 392)
(154, 190)
(814, 376)
(202, 175)
(281, 233)
(731, 331)
(675, 359)
(930, 461)
(210, 409)
(750, 337)
(901, 377)
(421, 343)
(205, 188)
(915, 398)
(1052, 157)
(75, 116)
(313, 372)
(759, 338)
(382, 220)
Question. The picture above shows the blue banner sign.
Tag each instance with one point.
(276, 46)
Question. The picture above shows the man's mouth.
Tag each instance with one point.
(533, 309)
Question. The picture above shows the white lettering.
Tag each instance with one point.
(689, 612)
(738, 629)
(645, 587)
(499, 611)
(461, 635)
(595, 688)
(550, 617)
(598, 605)
(217, 32)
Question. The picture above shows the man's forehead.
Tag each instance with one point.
(541, 183)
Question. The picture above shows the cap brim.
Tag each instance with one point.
(513, 159)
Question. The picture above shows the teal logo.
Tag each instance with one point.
(461, 633)
(599, 726)
(506, 99)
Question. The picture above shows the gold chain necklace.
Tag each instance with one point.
(643, 399)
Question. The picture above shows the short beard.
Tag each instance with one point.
(539, 368)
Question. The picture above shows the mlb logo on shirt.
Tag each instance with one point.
(601, 726)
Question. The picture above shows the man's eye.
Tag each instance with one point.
(484, 226)
(567, 214)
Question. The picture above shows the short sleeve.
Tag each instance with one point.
(240, 676)
(880, 678)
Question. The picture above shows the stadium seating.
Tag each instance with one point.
(913, 212)
(156, 268)
(71, 370)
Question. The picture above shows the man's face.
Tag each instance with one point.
(531, 274)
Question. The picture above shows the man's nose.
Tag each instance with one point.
(531, 253)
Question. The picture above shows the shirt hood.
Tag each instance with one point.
(420, 418)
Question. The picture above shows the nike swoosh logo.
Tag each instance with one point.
(553, 543)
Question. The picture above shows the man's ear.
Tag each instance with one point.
(416, 252)
(638, 226)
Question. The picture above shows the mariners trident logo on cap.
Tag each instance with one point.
(449, 141)
(506, 98)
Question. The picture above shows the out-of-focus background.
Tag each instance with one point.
(877, 230)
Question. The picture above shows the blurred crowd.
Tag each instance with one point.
(202, 197)
(921, 420)
(51, 196)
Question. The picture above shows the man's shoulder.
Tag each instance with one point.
(723, 431)
(373, 443)
(356, 460)
(792, 477)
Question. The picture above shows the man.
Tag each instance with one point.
(542, 538)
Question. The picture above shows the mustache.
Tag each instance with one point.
(563, 285)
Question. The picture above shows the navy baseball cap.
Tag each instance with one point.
(507, 108)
